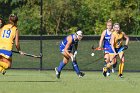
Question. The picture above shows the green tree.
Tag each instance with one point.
(60, 16)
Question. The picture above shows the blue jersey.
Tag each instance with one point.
(107, 44)
(64, 42)
(107, 39)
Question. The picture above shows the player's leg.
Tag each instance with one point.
(76, 68)
(3, 67)
(62, 65)
(114, 65)
(109, 64)
(121, 65)
(4, 64)
(106, 71)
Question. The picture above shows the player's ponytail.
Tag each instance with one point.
(13, 19)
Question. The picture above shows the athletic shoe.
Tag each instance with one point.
(81, 74)
(4, 72)
(113, 70)
(120, 75)
(104, 71)
(57, 73)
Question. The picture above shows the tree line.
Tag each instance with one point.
(62, 17)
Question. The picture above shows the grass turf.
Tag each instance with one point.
(33, 81)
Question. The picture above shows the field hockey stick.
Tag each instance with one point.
(97, 48)
(73, 58)
(122, 49)
(30, 55)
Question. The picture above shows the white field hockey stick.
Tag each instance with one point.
(30, 55)
(73, 58)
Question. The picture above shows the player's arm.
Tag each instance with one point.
(101, 39)
(69, 39)
(17, 40)
(127, 38)
(112, 43)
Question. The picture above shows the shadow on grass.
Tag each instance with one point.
(30, 81)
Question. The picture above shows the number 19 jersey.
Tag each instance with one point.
(7, 36)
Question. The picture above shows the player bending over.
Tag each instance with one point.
(117, 47)
(8, 34)
(66, 46)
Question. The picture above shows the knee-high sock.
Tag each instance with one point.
(75, 67)
(1, 69)
(3, 66)
(121, 67)
(61, 66)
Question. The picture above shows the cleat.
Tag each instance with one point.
(120, 75)
(81, 74)
(113, 70)
(104, 71)
(4, 72)
(107, 74)
(57, 73)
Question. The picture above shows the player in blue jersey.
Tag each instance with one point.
(105, 39)
(68, 48)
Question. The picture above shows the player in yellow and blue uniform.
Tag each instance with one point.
(69, 44)
(8, 34)
(117, 47)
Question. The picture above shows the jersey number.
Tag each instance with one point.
(6, 33)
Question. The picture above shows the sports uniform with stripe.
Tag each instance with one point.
(74, 38)
(118, 42)
(64, 42)
(107, 44)
(7, 35)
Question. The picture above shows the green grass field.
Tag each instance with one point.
(34, 81)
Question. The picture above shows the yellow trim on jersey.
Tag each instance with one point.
(5, 56)
(118, 39)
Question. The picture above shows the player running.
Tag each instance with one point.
(117, 47)
(66, 46)
(8, 34)
(105, 39)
